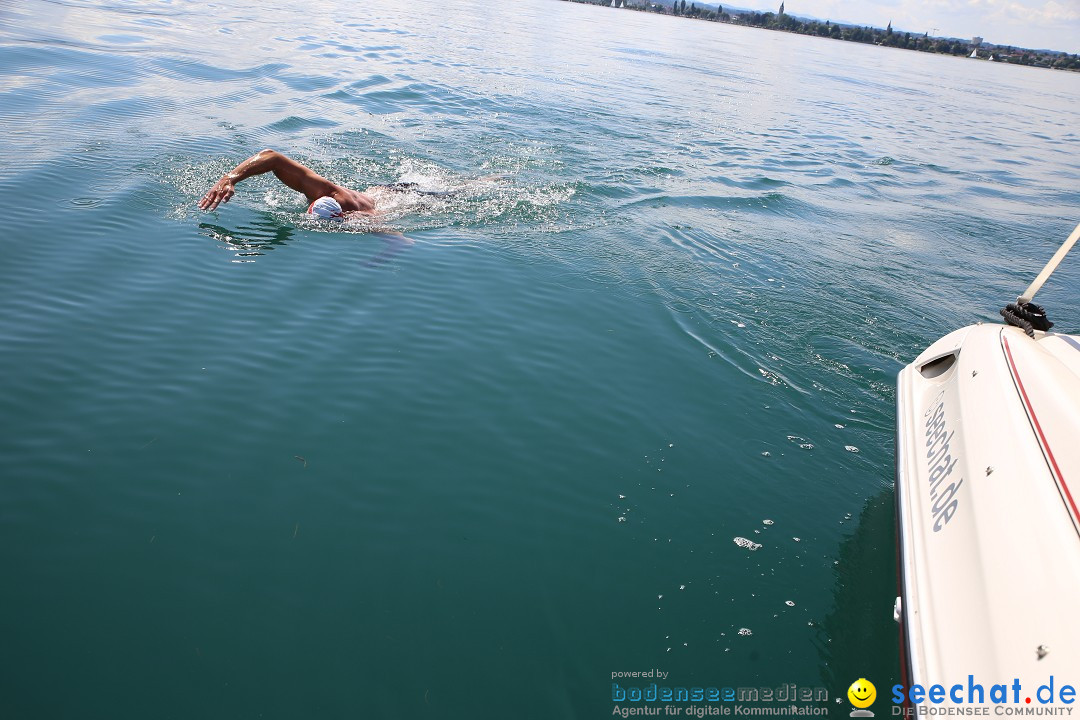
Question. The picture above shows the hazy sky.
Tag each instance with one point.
(1049, 24)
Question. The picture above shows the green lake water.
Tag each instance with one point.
(256, 466)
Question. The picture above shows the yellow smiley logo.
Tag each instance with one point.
(862, 693)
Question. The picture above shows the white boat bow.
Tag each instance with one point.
(988, 484)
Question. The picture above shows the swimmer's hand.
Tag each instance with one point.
(220, 193)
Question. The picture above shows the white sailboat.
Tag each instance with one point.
(973, 54)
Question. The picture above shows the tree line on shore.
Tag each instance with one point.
(853, 33)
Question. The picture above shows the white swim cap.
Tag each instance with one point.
(326, 208)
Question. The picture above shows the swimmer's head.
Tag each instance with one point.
(326, 208)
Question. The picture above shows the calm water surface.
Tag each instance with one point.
(252, 466)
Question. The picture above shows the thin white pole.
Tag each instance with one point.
(1037, 284)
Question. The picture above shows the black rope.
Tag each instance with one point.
(1029, 317)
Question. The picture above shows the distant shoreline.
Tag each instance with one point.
(974, 48)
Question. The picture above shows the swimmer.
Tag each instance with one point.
(328, 201)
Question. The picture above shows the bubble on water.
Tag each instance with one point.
(745, 632)
(801, 442)
(771, 377)
(622, 518)
(748, 544)
(851, 448)
(622, 497)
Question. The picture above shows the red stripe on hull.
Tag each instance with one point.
(1047, 452)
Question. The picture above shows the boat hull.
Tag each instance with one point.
(988, 440)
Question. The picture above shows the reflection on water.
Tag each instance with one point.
(856, 642)
(249, 241)
(258, 237)
(394, 244)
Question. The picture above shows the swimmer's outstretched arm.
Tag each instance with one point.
(293, 174)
